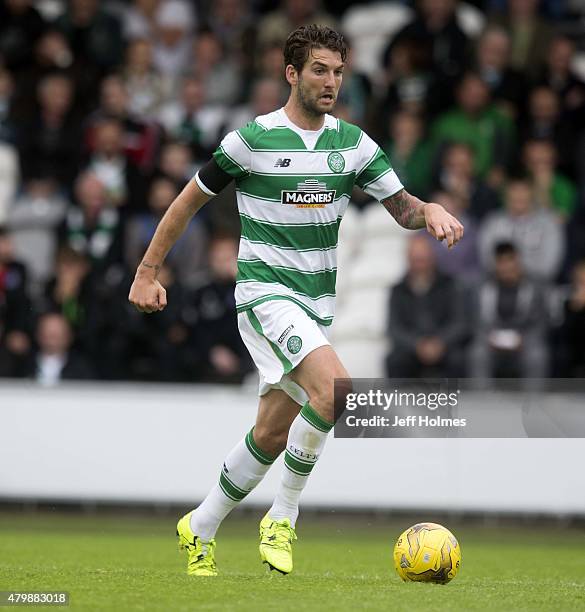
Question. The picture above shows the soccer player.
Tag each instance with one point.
(294, 170)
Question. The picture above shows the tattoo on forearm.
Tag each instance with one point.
(405, 208)
(154, 267)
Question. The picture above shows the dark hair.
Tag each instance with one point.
(505, 248)
(301, 41)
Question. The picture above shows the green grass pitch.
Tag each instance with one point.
(125, 563)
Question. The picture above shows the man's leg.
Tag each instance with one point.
(243, 469)
(306, 438)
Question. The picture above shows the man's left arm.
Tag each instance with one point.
(412, 213)
(377, 178)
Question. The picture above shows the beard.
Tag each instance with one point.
(309, 104)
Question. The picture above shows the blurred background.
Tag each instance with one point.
(107, 109)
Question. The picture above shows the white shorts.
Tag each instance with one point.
(279, 335)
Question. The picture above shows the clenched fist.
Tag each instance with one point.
(147, 294)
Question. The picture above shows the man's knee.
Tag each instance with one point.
(322, 396)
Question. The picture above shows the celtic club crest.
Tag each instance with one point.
(336, 162)
(294, 344)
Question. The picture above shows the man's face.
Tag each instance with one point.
(319, 81)
(421, 260)
(519, 199)
(53, 334)
(508, 268)
(459, 160)
(473, 95)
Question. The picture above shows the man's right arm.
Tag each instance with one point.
(146, 293)
(230, 161)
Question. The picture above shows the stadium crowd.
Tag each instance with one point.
(108, 108)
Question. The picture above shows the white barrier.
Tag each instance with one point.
(159, 443)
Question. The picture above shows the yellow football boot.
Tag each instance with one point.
(276, 539)
(201, 555)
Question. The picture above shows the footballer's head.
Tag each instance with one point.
(314, 57)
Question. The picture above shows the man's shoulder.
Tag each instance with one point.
(347, 129)
(252, 131)
(351, 136)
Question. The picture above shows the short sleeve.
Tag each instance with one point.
(234, 155)
(375, 175)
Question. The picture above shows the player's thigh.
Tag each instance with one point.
(316, 374)
(276, 411)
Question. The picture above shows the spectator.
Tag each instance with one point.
(7, 127)
(436, 32)
(122, 180)
(552, 190)
(461, 263)
(572, 331)
(141, 139)
(529, 33)
(21, 25)
(144, 85)
(218, 73)
(188, 256)
(49, 144)
(270, 63)
(410, 82)
(53, 54)
(266, 97)
(172, 44)
(139, 19)
(33, 219)
(15, 319)
(54, 360)
(545, 122)
(156, 348)
(559, 76)
(511, 322)
(427, 319)
(457, 177)
(215, 336)
(291, 14)
(355, 94)
(537, 234)
(575, 238)
(410, 153)
(477, 122)
(69, 292)
(232, 22)
(192, 121)
(507, 86)
(176, 163)
(93, 227)
(94, 35)
(9, 178)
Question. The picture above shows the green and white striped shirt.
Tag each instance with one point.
(293, 187)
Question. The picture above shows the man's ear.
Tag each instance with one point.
(292, 76)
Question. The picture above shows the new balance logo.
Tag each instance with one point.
(282, 162)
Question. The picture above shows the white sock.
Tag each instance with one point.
(243, 469)
(306, 439)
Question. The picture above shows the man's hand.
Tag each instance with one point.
(442, 225)
(147, 294)
(430, 350)
(412, 213)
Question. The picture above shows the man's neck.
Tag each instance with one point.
(302, 119)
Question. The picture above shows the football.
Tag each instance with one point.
(427, 552)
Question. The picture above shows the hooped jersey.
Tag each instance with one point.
(293, 187)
